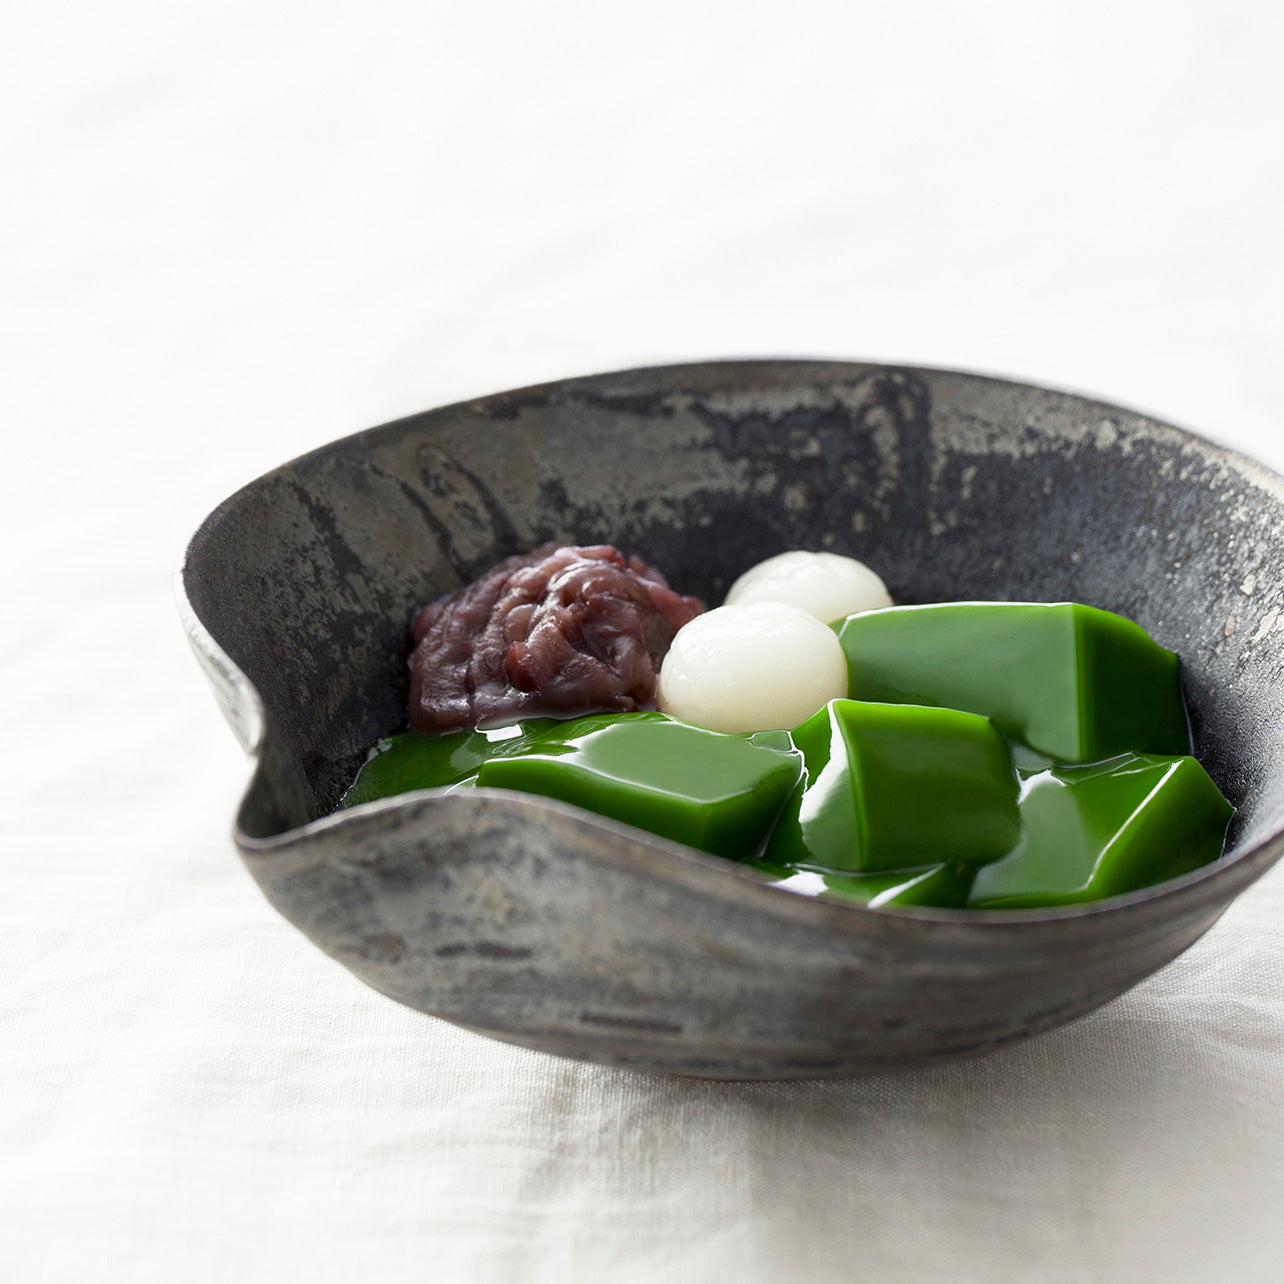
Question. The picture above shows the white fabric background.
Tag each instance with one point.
(229, 233)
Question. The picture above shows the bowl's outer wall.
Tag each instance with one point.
(952, 486)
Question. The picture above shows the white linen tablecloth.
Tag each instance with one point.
(231, 233)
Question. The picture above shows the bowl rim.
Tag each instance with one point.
(245, 711)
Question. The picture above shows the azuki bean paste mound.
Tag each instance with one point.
(559, 631)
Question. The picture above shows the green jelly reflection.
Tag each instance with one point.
(1070, 681)
(717, 792)
(888, 787)
(412, 761)
(1091, 832)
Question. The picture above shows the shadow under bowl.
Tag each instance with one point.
(540, 924)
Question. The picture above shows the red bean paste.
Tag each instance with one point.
(556, 632)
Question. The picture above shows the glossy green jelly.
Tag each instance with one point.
(713, 791)
(939, 885)
(886, 787)
(400, 764)
(1117, 826)
(1086, 833)
(1070, 681)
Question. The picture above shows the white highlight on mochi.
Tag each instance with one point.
(827, 585)
(751, 667)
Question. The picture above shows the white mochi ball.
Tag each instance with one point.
(751, 668)
(827, 585)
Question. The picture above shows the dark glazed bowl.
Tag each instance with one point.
(543, 925)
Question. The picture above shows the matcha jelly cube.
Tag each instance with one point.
(889, 787)
(1070, 681)
(713, 791)
(1091, 832)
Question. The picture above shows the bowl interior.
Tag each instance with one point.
(952, 486)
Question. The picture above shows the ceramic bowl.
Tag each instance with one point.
(535, 922)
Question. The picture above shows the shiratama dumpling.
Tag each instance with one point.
(753, 667)
(827, 585)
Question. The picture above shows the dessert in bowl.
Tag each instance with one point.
(537, 922)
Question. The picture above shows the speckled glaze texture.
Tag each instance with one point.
(537, 923)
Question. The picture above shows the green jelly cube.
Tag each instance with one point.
(1097, 831)
(717, 792)
(413, 760)
(895, 787)
(1070, 681)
